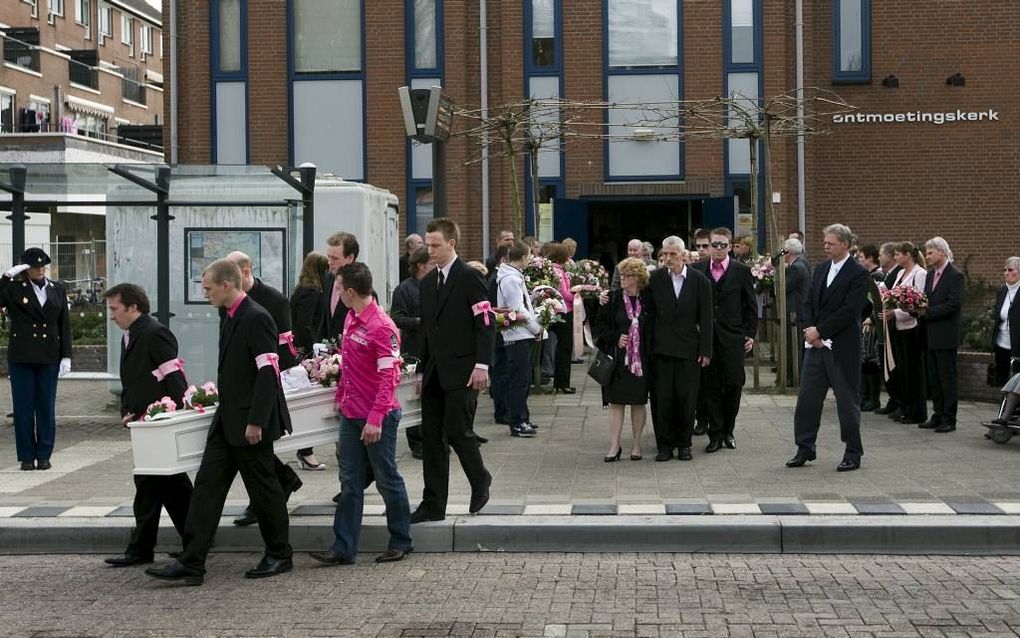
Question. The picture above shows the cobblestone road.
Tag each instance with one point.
(492, 595)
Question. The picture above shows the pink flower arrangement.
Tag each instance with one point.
(549, 305)
(588, 278)
(906, 298)
(764, 272)
(200, 398)
(324, 370)
(166, 406)
(509, 320)
(540, 272)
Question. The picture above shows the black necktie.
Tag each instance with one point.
(442, 279)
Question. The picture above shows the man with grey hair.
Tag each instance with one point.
(944, 288)
(647, 250)
(412, 243)
(636, 249)
(832, 357)
(681, 328)
(798, 281)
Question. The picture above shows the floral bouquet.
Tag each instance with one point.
(200, 398)
(764, 273)
(162, 409)
(906, 298)
(548, 304)
(540, 272)
(588, 278)
(509, 320)
(324, 369)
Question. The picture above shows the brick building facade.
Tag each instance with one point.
(287, 81)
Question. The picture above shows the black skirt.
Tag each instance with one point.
(625, 388)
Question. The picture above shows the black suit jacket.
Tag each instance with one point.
(1014, 321)
(681, 327)
(278, 307)
(836, 312)
(943, 320)
(798, 284)
(150, 345)
(249, 394)
(38, 334)
(405, 310)
(890, 277)
(453, 338)
(735, 308)
(306, 316)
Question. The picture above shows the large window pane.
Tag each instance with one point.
(851, 39)
(424, 207)
(543, 32)
(742, 31)
(230, 36)
(642, 33)
(327, 36)
(744, 88)
(425, 34)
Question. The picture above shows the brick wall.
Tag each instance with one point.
(83, 359)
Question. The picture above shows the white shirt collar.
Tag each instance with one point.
(837, 265)
(682, 274)
(1013, 287)
(446, 269)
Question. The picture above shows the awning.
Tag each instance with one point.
(79, 105)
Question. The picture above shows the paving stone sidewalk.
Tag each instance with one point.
(905, 470)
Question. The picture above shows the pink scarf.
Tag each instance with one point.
(633, 358)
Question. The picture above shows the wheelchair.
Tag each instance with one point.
(1002, 432)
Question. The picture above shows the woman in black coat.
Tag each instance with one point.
(1006, 336)
(622, 327)
(38, 352)
(306, 315)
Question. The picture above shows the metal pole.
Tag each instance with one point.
(439, 204)
(308, 204)
(163, 220)
(483, 56)
(19, 175)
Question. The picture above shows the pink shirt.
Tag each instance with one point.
(568, 297)
(718, 269)
(231, 311)
(369, 370)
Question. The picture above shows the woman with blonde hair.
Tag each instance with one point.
(622, 330)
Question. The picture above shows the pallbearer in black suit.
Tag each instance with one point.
(832, 357)
(251, 415)
(457, 334)
(735, 316)
(278, 307)
(38, 351)
(341, 249)
(943, 324)
(681, 328)
(149, 371)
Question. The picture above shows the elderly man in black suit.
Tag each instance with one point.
(149, 371)
(832, 357)
(944, 288)
(798, 282)
(251, 415)
(735, 317)
(278, 307)
(457, 337)
(681, 328)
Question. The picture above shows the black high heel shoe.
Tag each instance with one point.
(615, 457)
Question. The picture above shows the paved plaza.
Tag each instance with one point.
(905, 470)
(536, 595)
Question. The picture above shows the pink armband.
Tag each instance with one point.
(483, 308)
(269, 359)
(168, 367)
(288, 338)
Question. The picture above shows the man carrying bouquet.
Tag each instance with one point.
(149, 372)
(369, 416)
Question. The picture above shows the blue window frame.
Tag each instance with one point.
(228, 61)
(423, 62)
(543, 37)
(851, 42)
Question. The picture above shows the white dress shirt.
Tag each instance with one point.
(1002, 338)
(678, 280)
(835, 268)
(40, 293)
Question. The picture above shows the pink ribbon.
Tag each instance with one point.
(169, 367)
(483, 308)
(269, 359)
(288, 338)
(578, 327)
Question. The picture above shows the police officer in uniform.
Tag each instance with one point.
(149, 371)
(38, 352)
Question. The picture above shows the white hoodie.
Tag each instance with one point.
(513, 294)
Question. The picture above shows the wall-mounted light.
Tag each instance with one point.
(891, 82)
(956, 80)
(644, 135)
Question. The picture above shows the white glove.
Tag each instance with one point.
(20, 268)
(65, 366)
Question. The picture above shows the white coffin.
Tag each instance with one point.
(176, 444)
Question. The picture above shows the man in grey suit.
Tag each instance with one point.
(798, 281)
(832, 357)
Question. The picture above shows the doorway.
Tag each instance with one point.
(613, 223)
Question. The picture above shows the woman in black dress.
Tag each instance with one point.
(622, 330)
(305, 315)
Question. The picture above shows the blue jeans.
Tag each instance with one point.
(382, 456)
(34, 390)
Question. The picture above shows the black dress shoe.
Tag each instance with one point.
(481, 439)
(481, 497)
(176, 572)
(896, 414)
(422, 516)
(869, 406)
(907, 419)
(128, 560)
(416, 453)
(664, 455)
(730, 443)
(329, 557)
(392, 555)
(848, 466)
(946, 427)
(27, 466)
(888, 409)
(684, 454)
(713, 446)
(246, 518)
(800, 458)
(176, 554)
(42, 465)
(270, 566)
(700, 429)
(568, 390)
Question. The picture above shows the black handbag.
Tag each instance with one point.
(601, 368)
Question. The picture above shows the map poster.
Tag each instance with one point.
(267, 248)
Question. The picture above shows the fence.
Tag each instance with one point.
(79, 265)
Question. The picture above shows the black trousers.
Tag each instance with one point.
(1003, 373)
(910, 378)
(414, 437)
(676, 384)
(447, 417)
(152, 494)
(286, 475)
(221, 462)
(701, 412)
(821, 371)
(564, 332)
(941, 367)
(721, 389)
